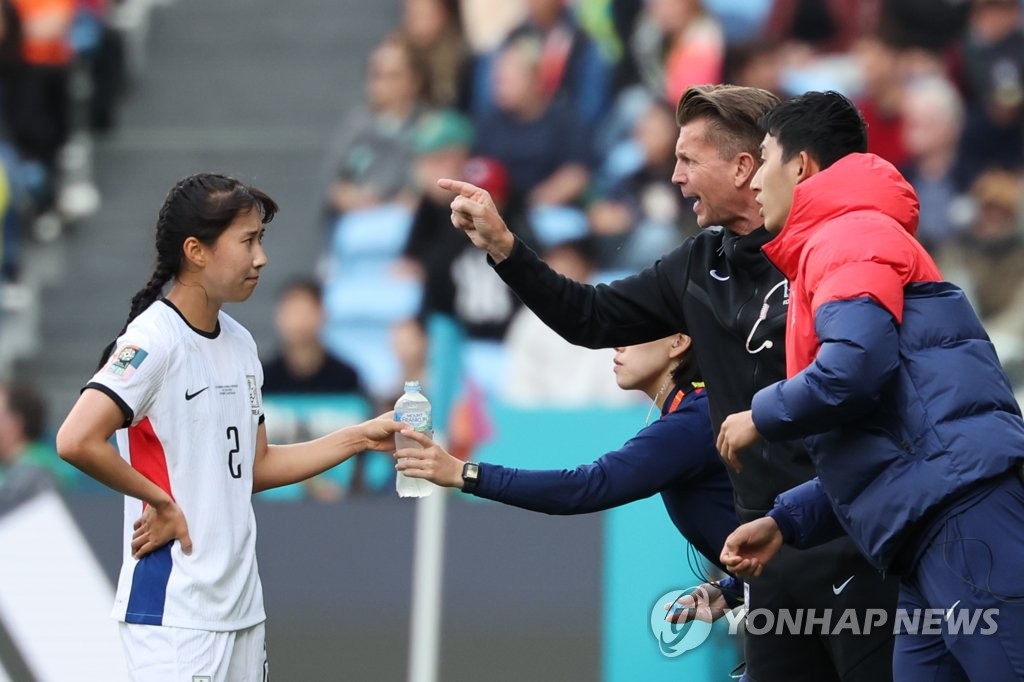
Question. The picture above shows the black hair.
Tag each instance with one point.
(303, 285)
(28, 405)
(826, 125)
(202, 206)
(687, 371)
(739, 56)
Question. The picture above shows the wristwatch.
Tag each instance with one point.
(470, 477)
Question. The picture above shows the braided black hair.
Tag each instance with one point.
(201, 206)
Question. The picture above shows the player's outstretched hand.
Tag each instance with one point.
(159, 525)
(474, 212)
(432, 462)
(751, 546)
(737, 432)
(379, 432)
(706, 603)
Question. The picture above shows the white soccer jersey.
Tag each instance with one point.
(193, 407)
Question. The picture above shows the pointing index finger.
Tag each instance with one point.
(466, 189)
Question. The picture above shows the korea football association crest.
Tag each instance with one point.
(254, 394)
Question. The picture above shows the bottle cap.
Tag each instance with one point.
(412, 386)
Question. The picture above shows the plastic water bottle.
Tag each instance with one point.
(413, 409)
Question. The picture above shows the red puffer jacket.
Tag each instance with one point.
(850, 234)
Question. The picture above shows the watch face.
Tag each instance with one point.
(471, 470)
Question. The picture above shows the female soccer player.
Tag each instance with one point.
(182, 393)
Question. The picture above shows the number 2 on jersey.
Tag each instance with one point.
(235, 469)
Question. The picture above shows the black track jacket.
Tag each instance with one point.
(717, 287)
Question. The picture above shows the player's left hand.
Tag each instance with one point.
(159, 525)
(737, 432)
(379, 432)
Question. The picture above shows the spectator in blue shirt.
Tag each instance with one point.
(542, 142)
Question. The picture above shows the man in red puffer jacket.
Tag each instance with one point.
(894, 386)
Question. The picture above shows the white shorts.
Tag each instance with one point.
(157, 653)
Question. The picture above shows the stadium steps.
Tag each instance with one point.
(253, 88)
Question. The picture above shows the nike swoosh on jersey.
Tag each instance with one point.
(189, 396)
(949, 612)
(720, 278)
(839, 590)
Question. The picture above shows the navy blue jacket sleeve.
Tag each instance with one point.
(859, 354)
(805, 516)
(732, 590)
(678, 446)
(637, 309)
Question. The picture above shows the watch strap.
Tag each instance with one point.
(470, 477)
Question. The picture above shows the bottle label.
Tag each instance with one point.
(419, 421)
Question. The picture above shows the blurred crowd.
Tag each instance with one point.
(564, 111)
(64, 65)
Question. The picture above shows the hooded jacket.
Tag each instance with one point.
(717, 287)
(893, 382)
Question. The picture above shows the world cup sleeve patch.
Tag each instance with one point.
(126, 361)
(254, 394)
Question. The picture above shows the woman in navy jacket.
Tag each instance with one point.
(674, 456)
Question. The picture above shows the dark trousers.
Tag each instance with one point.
(835, 578)
(972, 576)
